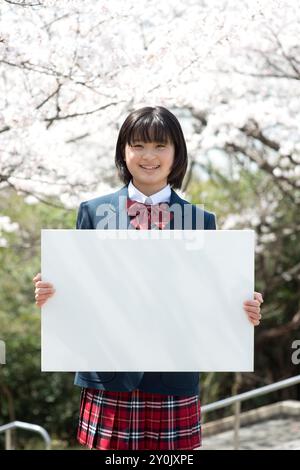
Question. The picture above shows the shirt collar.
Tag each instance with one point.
(163, 195)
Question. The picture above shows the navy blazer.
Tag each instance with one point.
(92, 216)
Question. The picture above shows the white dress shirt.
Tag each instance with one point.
(164, 195)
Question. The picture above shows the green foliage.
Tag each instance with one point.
(27, 394)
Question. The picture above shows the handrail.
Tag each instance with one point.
(28, 427)
(237, 399)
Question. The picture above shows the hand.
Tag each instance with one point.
(43, 290)
(252, 308)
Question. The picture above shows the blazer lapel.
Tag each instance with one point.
(178, 212)
(118, 203)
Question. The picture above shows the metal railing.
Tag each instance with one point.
(237, 399)
(7, 428)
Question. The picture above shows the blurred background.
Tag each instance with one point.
(70, 72)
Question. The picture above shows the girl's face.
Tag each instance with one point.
(149, 164)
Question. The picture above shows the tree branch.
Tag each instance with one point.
(281, 330)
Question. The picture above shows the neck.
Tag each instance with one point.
(149, 189)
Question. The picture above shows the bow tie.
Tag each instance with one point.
(145, 214)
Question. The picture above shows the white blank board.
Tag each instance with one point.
(151, 300)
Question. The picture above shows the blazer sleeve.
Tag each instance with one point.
(212, 222)
(83, 218)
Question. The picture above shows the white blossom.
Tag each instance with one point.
(124, 55)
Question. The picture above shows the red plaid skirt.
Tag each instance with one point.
(138, 420)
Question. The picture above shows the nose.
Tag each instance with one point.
(149, 154)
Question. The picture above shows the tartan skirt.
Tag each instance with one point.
(138, 420)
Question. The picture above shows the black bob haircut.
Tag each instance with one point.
(152, 124)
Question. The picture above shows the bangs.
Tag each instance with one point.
(149, 129)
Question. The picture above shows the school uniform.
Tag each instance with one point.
(140, 410)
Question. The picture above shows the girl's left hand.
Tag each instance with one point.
(252, 308)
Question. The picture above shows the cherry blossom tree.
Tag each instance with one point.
(71, 71)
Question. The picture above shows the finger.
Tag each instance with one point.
(252, 309)
(44, 290)
(258, 296)
(43, 284)
(254, 321)
(253, 303)
(257, 316)
(37, 277)
(43, 296)
(41, 300)
(254, 317)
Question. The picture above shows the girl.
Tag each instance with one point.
(151, 410)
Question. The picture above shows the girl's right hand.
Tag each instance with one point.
(43, 290)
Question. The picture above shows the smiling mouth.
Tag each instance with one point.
(149, 168)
